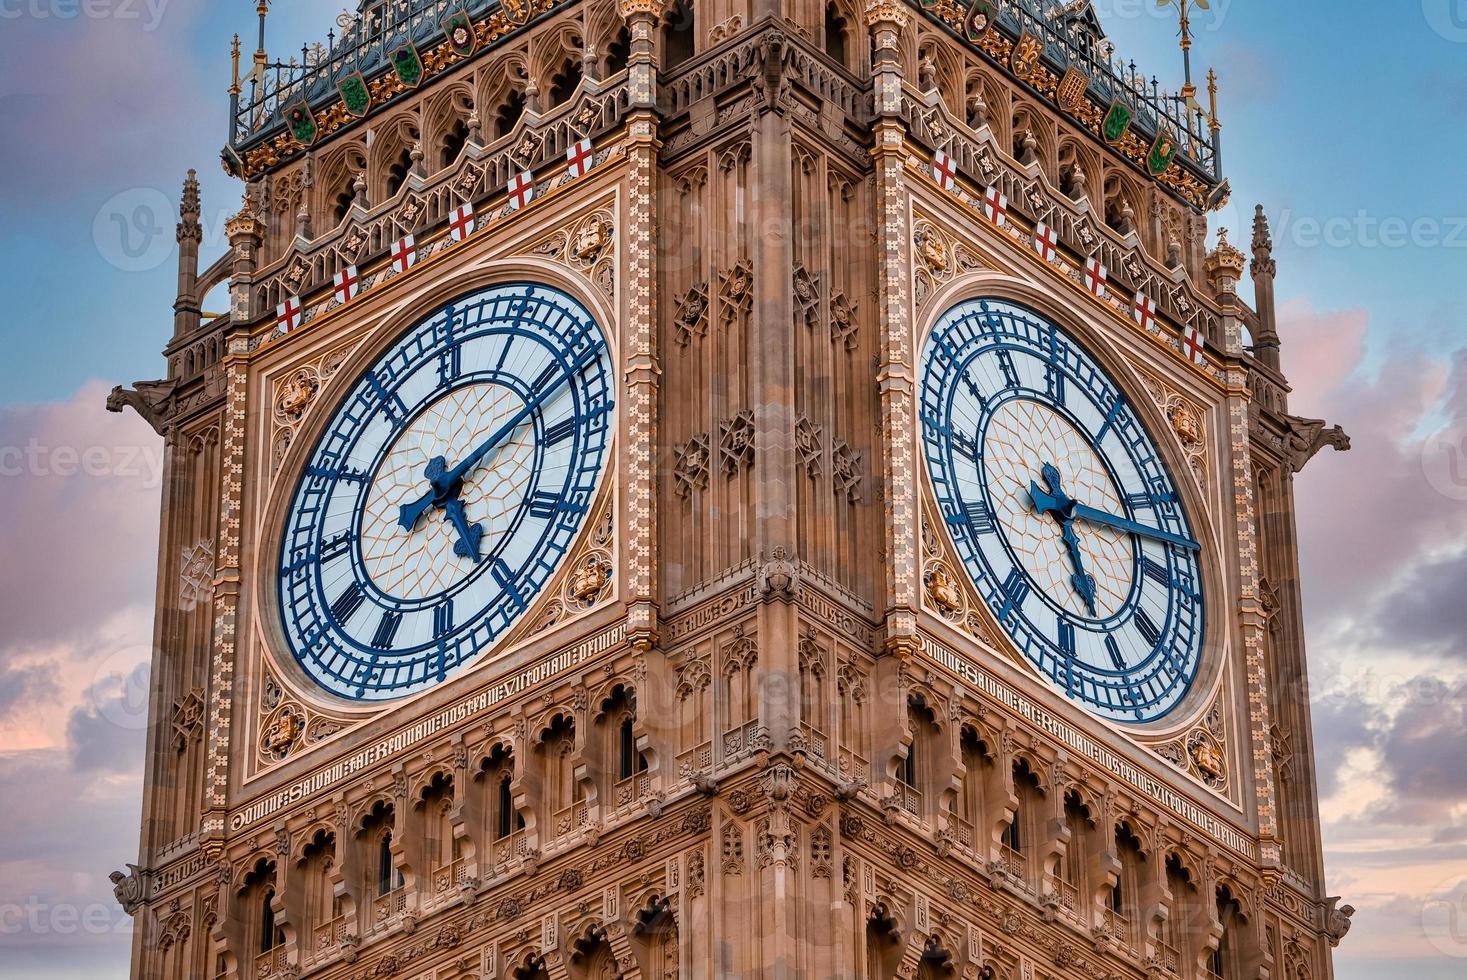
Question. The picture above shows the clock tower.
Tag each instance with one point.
(773, 488)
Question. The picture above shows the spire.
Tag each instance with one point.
(190, 234)
(1266, 344)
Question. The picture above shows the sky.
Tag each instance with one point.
(1346, 121)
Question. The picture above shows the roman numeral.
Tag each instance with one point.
(1056, 381)
(551, 372)
(1147, 628)
(1015, 590)
(336, 546)
(505, 578)
(973, 389)
(1156, 571)
(386, 630)
(1114, 649)
(443, 619)
(546, 505)
(560, 431)
(392, 403)
(1067, 638)
(345, 474)
(450, 363)
(980, 518)
(1006, 364)
(965, 445)
(347, 603)
(1116, 408)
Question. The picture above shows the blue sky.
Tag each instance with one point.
(1345, 120)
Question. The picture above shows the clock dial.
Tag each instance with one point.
(445, 491)
(1062, 510)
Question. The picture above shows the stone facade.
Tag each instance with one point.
(836, 765)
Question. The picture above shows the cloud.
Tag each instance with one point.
(81, 486)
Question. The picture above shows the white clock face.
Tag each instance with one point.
(1062, 510)
(445, 492)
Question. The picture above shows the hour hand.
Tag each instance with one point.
(469, 535)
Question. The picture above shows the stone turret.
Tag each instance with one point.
(190, 234)
(1266, 343)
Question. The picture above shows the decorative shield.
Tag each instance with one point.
(978, 19)
(409, 66)
(1163, 151)
(355, 94)
(518, 11)
(460, 32)
(1117, 122)
(1025, 56)
(302, 123)
(1071, 89)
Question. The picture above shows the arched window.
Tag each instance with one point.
(616, 53)
(453, 143)
(386, 873)
(564, 82)
(677, 34)
(630, 762)
(836, 35)
(507, 819)
(509, 112)
(270, 936)
(1226, 960)
(397, 173)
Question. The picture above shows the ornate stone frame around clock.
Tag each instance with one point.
(1201, 709)
(378, 325)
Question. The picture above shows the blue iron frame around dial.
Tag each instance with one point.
(528, 346)
(1134, 663)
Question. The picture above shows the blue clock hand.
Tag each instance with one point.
(1059, 505)
(445, 485)
(467, 545)
(1093, 516)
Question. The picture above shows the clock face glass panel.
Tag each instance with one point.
(1062, 510)
(445, 491)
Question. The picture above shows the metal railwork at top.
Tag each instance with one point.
(363, 42)
(1072, 36)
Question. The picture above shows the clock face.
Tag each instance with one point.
(1062, 510)
(445, 491)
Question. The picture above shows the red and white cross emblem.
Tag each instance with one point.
(995, 206)
(1144, 311)
(1044, 241)
(579, 159)
(461, 222)
(521, 190)
(944, 171)
(1095, 277)
(347, 285)
(288, 314)
(1193, 345)
(404, 254)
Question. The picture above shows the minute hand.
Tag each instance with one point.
(1093, 516)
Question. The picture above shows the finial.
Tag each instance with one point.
(303, 222)
(1174, 253)
(234, 74)
(1214, 125)
(977, 112)
(359, 190)
(1263, 263)
(416, 156)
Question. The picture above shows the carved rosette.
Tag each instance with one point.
(294, 396)
(1202, 751)
(937, 257)
(1186, 420)
(586, 244)
(286, 726)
